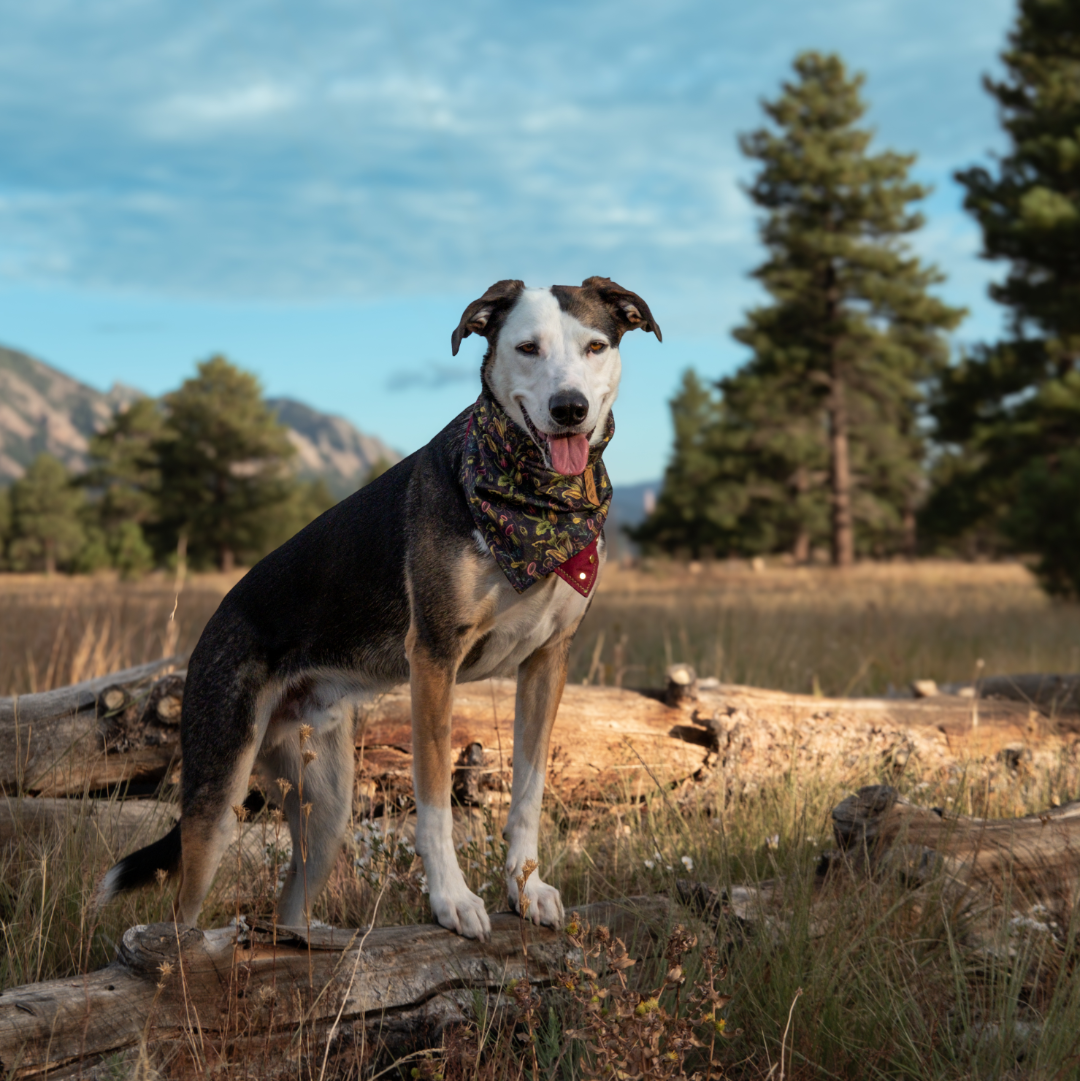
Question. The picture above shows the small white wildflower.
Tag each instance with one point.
(773, 841)
(423, 882)
(489, 838)
(687, 862)
(650, 864)
(656, 856)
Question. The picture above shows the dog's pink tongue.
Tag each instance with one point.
(569, 454)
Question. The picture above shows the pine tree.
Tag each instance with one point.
(125, 475)
(852, 331)
(688, 517)
(45, 524)
(124, 466)
(1011, 411)
(222, 457)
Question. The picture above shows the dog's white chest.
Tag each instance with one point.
(518, 624)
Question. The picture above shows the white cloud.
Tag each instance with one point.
(339, 149)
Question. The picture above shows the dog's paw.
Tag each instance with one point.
(545, 905)
(462, 911)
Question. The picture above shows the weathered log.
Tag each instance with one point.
(117, 823)
(69, 741)
(217, 989)
(1031, 860)
(607, 742)
(1044, 691)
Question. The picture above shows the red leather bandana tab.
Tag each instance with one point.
(532, 519)
(581, 570)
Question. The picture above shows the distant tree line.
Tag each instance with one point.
(850, 429)
(202, 474)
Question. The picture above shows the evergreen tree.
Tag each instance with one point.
(125, 473)
(222, 457)
(1011, 411)
(852, 332)
(46, 529)
(124, 465)
(5, 525)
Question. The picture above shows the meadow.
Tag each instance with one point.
(891, 985)
(794, 629)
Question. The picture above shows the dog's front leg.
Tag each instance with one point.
(541, 678)
(453, 904)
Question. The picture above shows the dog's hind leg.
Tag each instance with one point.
(206, 828)
(541, 678)
(325, 766)
(221, 733)
(453, 904)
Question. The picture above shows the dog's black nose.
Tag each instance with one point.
(568, 407)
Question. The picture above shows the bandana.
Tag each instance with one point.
(533, 519)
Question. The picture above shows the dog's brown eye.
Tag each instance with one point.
(597, 347)
(528, 347)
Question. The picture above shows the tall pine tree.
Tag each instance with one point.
(852, 332)
(1011, 411)
(222, 457)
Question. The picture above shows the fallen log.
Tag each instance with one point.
(220, 992)
(117, 823)
(994, 875)
(1033, 860)
(1044, 691)
(608, 743)
(73, 739)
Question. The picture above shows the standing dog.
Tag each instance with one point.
(474, 556)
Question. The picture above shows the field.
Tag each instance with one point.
(891, 987)
(787, 629)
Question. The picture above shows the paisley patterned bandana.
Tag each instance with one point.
(532, 518)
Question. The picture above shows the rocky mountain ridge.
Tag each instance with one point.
(44, 410)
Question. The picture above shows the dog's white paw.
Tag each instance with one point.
(545, 904)
(459, 909)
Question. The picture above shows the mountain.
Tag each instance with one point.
(330, 447)
(630, 504)
(42, 409)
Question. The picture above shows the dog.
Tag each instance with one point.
(447, 568)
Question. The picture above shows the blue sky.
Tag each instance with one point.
(318, 190)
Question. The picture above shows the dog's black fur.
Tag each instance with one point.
(386, 587)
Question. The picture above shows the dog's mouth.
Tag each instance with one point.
(565, 454)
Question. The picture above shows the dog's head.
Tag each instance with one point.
(552, 360)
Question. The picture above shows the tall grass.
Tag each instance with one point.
(893, 982)
(893, 985)
(817, 629)
(788, 629)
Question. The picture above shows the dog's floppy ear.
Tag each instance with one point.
(629, 310)
(485, 315)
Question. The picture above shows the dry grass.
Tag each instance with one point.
(890, 988)
(810, 629)
(789, 629)
(56, 631)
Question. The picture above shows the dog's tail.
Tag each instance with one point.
(142, 867)
(154, 862)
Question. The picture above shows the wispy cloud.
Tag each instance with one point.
(433, 376)
(421, 148)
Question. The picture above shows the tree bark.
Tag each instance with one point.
(910, 539)
(50, 556)
(607, 742)
(800, 550)
(843, 537)
(71, 740)
(219, 996)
